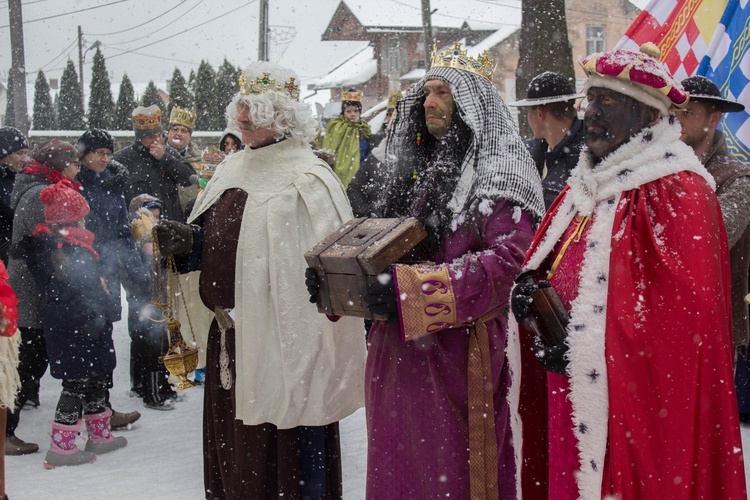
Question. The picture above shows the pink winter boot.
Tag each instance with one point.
(101, 439)
(63, 450)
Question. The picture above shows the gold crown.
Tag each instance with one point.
(265, 83)
(351, 96)
(182, 116)
(459, 59)
(393, 98)
(147, 118)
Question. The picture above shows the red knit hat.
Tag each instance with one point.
(62, 204)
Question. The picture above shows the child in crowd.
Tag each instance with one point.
(76, 309)
(149, 377)
(348, 135)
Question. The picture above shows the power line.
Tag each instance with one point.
(150, 55)
(68, 13)
(159, 29)
(54, 60)
(183, 31)
(142, 24)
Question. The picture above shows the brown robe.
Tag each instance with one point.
(243, 461)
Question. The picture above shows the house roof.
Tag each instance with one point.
(355, 70)
(406, 15)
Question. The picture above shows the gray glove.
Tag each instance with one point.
(174, 237)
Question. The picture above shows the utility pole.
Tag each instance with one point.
(427, 26)
(80, 63)
(18, 67)
(263, 32)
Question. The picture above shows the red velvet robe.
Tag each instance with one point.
(670, 417)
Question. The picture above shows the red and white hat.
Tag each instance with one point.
(639, 75)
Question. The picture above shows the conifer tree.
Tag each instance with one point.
(227, 85)
(10, 113)
(150, 97)
(191, 84)
(70, 105)
(44, 111)
(178, 92)
(101, 104)
(205, 97)
(125, 105)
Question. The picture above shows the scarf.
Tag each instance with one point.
(70, 235)
(50, 175)
(496, 164)
(342, 136)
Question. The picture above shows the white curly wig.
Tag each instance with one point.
(273, 110)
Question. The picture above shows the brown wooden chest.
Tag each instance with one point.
(353, 256)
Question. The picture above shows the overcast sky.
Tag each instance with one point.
(147, 38)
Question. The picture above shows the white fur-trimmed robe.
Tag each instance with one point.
(597, 191)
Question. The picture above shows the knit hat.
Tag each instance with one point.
(63, 204)
(94, 139)
(54, 153)
(702, 89)
(183, 117)
(12, 140)
(546, 88)
(639, 75)
(146, 121)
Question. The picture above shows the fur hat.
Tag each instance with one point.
(12, 140)
(94, 139)
(55, 153)
(62, 204)
(546, 88)
(146, 121)
(639, 75)
(702, 89)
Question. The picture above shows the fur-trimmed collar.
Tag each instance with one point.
(651, 154)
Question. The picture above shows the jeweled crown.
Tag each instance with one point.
(460, 59)
(347, 95)
(182, 116)
(265, 83)
(393, 98)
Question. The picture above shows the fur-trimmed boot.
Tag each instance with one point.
(63, 450)
(101, 439)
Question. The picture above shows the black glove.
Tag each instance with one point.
(116, 183)
(312, 283)
(174, 237)
(381, 297)
(520, 298)
(552, 359)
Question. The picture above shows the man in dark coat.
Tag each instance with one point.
(700, 121)
(558, 133)
(13, 150)
(155, 168)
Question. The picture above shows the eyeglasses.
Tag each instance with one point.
(102, 153)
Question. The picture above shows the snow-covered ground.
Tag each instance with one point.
(163, 456)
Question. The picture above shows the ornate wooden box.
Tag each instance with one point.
(353, 256)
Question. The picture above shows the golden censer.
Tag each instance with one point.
(180, 359)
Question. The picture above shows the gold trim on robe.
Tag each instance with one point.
(426, 301)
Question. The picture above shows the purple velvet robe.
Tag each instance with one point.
(416, 391)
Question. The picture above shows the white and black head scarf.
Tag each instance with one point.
(494, 165)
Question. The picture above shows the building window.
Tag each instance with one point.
(395, 62)
(594, 39)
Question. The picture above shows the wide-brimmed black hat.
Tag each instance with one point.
(546, 88)
(702, 89)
